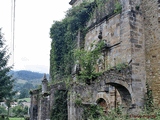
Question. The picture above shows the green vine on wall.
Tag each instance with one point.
(59, 110)
(148, 100)
(63, 34)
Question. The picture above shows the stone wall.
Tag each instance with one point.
(124, 34)
(42, 102)
(113, 87)
(133, 38)
(151, 16)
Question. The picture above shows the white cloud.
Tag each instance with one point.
(33, 21)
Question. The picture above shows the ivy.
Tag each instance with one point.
(59, 110)
(148, 100)
(63, 34)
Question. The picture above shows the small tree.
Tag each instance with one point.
(10, 99)
(87, 61)
(2, 110)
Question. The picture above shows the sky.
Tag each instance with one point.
(33, 21)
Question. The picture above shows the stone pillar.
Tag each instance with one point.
(44, 84)
(34, 105)
(45, 104)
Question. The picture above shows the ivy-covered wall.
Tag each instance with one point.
(64, 40)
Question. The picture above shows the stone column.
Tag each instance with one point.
(44, 84)
(45, 107)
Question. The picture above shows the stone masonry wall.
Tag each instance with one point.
(151, 13)
(101, 89)
(125, 34)
(134, 38)
(42, 102)
(138, 51)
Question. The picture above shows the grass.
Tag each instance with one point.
(16, 118)
(27, 99)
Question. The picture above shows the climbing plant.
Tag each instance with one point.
(63, 34)
(59, 110)
(148, 100)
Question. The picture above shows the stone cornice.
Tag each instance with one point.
(72, 2)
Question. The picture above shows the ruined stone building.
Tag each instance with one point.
(131, 37)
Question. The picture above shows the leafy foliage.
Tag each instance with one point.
(148, 100)
(3, 110)
(93, 112)
(20, 110)
(24, 91)
(59, 110)
(87, 61)
(63, 35)
(121, 66)
(118, 7)
(6, 81)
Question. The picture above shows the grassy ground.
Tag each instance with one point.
(16, 118)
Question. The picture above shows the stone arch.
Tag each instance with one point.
(103, 101)
(104, 96)
(126, 96)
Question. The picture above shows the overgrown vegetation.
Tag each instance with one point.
(148, 100)
(59, 110)
(88, 60)
(121, 66)
(63, 35)
(118, 7)
(6, 81)
(93, 112)
(3, 111)
(64, 55)
(20, 110)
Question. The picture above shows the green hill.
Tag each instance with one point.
(27, 75)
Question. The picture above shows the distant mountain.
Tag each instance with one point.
(27, 75)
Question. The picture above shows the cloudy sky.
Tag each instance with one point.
(33, 21)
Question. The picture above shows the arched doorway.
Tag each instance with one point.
(101, 102)
(117, 95)
(125, 95)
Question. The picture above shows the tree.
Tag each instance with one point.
(20, 110)
(10, 99)
(3, 110)
(24, 93)
(6, 81)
